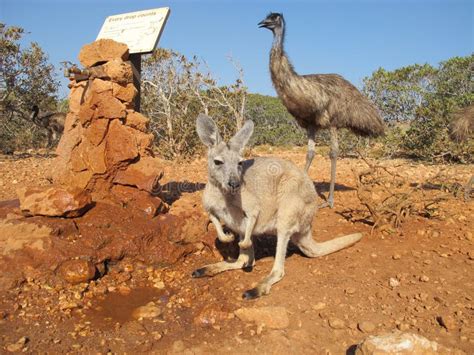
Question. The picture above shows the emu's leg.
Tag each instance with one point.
(246, 259)
(278, 270)
(333, 156)
(311, 146)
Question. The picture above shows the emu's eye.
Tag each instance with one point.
(218, 162)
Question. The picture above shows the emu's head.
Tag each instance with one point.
(273, 21)
(225, 163)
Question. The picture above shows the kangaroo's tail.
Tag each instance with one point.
(313, 249)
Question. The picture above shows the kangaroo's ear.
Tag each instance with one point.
(241, 138)
(207, 130)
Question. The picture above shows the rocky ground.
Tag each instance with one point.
(416, 278)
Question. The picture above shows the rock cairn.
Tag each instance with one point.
(105, 152)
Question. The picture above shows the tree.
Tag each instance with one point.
(26, 79)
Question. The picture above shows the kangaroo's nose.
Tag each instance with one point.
(234, 184)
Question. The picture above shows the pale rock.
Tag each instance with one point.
(399, 343)
(150, 310)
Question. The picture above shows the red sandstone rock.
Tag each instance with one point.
(107, 106)
(102, 50)
(121, 144)
(124, 92)
(95, 133)
(145, 143)
(119, 71)
(140, 200)
(77, 271)
(143, 174)
(137, 120)
(76, 96)
(53, 201)
(98, 86)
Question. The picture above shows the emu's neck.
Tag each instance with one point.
(280, 67)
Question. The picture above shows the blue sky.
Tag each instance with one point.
(351, 38)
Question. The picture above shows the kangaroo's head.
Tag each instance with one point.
(225, 162)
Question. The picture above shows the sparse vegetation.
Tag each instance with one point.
(418, 103)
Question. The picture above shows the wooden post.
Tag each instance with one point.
(136, 61)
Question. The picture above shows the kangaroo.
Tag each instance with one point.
(258, 196)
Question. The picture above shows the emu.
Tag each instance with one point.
(319, 101)
(53, 122)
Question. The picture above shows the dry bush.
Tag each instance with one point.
(175, 90)
(391, 197)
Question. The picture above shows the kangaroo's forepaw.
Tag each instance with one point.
(226, 237)
(245, 244)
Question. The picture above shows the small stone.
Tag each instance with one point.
(64, 305)
(350, 290)
(393, 282)
(403, 326)
(336, 323)
(18, 346)
(77, 271)
(270, 317)
(160, 285)
(424, 278)
(396, 256)
(319, 306)
(150, 310)
(366, 326)
(435, 234)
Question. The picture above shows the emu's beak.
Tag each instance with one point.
(262, 24)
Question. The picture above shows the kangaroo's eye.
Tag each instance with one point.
(218, 162)
(241, 163)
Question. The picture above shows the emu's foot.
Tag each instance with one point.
(328, 203)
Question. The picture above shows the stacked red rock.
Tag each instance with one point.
(105, 149)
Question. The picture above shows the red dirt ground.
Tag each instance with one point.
(431, 261)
